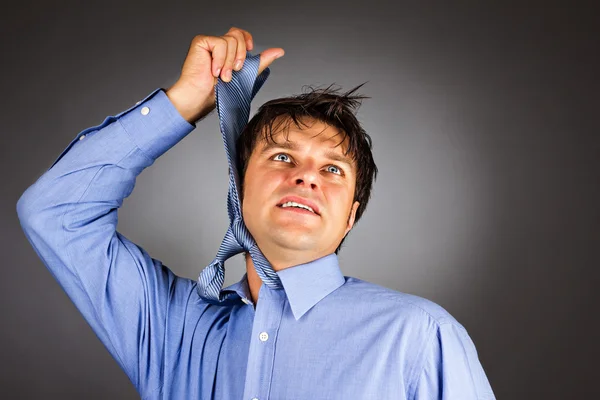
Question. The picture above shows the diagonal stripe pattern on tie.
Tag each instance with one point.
(233, 100)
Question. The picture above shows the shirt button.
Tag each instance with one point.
(145, 110)
(264, 336)
(255, 398)
(81, 137)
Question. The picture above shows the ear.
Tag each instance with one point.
(351, 217)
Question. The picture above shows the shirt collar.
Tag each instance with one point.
(304, 284)
(241, 288)
(307, 284)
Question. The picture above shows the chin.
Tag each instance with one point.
(283, 238)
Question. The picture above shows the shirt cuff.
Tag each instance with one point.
(154, 130)
(155, 125)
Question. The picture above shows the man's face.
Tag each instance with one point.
(308, 169)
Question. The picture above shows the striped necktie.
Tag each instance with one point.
(233, 107)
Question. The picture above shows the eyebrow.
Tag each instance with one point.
(288, 145)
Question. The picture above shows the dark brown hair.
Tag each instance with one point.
(329, 107)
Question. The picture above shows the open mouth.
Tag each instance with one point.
(297, 208)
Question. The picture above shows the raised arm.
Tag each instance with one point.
(69, 214)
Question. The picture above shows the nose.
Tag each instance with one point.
(307, 177)
(300, 182)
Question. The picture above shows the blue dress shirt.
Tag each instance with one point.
(323, 336)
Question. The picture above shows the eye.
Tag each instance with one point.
(284, 158)
(334, 170)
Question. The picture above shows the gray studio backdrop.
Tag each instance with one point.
(484, 120)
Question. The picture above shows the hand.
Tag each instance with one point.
(193, 94)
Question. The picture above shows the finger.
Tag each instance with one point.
(240, 55)
(248, 39)
(268, 56)
(206, 52)
(218, 50)
(230, 58)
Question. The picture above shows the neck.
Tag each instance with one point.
(254, 281)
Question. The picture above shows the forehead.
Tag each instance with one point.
(284, 130)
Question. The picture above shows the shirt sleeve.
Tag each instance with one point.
(452, 369)
(69, 215)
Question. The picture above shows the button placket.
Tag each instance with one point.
(261, 355)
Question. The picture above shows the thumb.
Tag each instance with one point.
(267, 57)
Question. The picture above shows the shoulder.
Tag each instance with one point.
(442, 356)
(404, 305)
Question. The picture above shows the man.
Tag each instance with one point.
(307, 175)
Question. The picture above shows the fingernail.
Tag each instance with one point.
(278, 55)
(238, 64)
(218, 72)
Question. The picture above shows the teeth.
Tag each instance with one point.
(294, 204)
